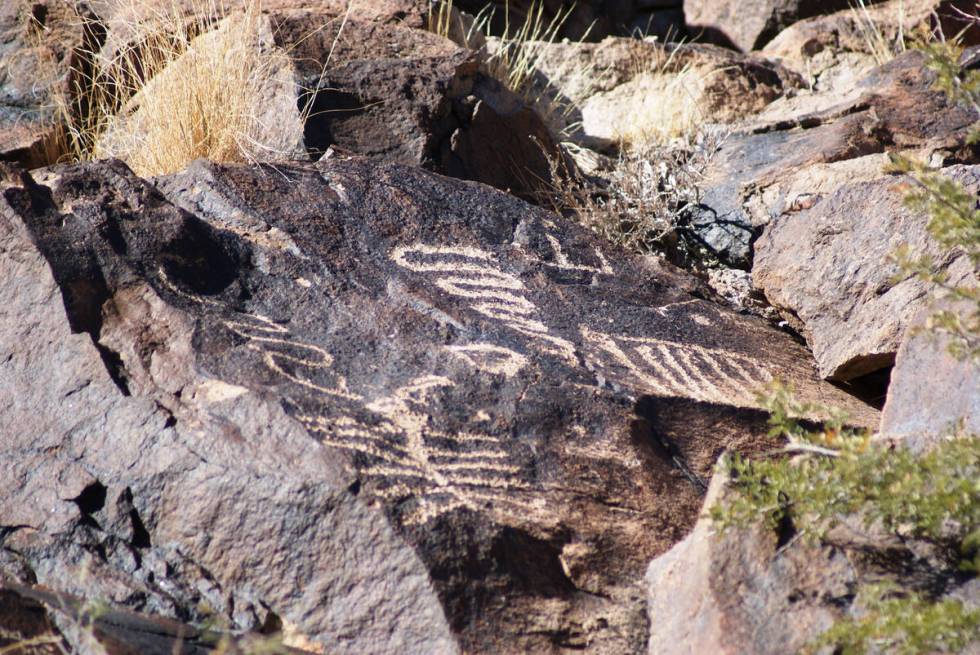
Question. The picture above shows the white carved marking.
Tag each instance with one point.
(666, 368)
(470, 273)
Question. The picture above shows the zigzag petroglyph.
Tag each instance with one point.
(666, 368)
(470, 273)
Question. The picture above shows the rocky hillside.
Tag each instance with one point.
(389, 327)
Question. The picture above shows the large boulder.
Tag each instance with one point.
(749, 26)
(831, 269)
(800, 148)
(412, 97)
(397, 411)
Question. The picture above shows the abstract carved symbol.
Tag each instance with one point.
(406, 457)
(490, 358)
(563, 262)
(667, 368)
(302, 363)
(471, 274)
(392, 438)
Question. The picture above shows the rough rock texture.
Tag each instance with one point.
(34, 621)
(408, 96)
(791, 155)
(749, 25)
(590, 20)
(37, 40)
(596, 93)
(834, 51)
(401, 412)
(217, 499)
(739, 592)
(829, 267)
(932, 394)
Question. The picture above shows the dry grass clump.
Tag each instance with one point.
(188, 83)
(513, 56)
(882, 47)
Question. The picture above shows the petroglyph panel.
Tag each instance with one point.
(391, 438)
(406, 457)
(471, 274)
(666, 368)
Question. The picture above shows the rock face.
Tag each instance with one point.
(400, 412)
(411, 97)
(37, 41)
(738, 592)
(831, 50)
(748, 26)
(792, 154)
(830, 267)
(932, 394)
(601, 93)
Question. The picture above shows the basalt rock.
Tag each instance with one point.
(412, 97)
(38, 45)
(399, 412)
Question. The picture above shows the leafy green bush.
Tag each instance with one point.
(834, 474)
(902, 625)
(838, 473)
(954, 218)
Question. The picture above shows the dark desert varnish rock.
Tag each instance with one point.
(403, 413)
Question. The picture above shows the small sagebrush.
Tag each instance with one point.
(645, 201)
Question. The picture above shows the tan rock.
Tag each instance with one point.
(626, 89)
(738, 592)
(749, 25)
(932, 394)
(829, 268)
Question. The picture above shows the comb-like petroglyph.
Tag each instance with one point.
(665, 368)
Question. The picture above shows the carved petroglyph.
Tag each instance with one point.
(666, 368)
(490, 358)
(406, 457)
(391, 438)
(471, 274)
(303, 363)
